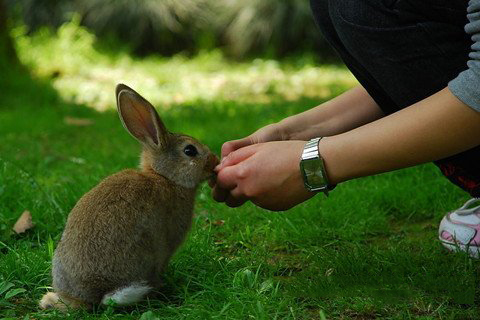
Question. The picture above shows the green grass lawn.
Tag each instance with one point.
(368, 251)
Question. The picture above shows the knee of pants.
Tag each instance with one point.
(369, 14)
(322, 18)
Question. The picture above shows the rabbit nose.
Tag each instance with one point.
(212, 162)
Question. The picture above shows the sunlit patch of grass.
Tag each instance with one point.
(84, 74)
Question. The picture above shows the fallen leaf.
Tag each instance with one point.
(23, 223)
(81, 122)
(219, 222)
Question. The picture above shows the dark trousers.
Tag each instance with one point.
(403, 51)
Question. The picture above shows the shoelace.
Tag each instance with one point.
(465, 210)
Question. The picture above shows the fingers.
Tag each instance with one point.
(236, 157)
(219, 194)
(236, 198)
(233, 202)
(232, 198)
(230, 146)
(226, 189)
(231, 171)
(226, 181)
(227, 177)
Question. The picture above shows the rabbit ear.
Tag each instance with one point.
(140, 118)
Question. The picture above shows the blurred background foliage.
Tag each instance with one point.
(240, 28)
(177, 52)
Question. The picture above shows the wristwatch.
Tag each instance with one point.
(313, 168)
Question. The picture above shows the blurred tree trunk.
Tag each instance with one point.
(6, 44)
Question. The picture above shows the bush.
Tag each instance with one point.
(240, 27)
(276, 27)
(36, 14)
(166, 27)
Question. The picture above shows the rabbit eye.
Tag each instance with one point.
(190, 151)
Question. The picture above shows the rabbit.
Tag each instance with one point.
(121, 234)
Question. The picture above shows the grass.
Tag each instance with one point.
(368, 251)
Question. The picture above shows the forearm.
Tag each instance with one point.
(345, 112)
(434, 128)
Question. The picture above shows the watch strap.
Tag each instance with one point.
(312, 168)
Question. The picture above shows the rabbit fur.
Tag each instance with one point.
(121, 234)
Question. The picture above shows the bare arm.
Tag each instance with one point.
(268, 173)
(434, 128)
(345, 112)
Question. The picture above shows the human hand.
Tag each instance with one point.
(271, 132)
(268, 174)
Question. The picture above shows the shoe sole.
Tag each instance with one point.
(473, 251)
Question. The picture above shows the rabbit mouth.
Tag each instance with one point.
(212, 178)
(212, 162)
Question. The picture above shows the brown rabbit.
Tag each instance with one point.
(121, 234)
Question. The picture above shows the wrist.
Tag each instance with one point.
(293, 128)
(342, 156)
(283, 130)
(328, 153)
(302, 127)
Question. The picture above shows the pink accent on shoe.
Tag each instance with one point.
(476, 240)
(460, 232)
(447, 236)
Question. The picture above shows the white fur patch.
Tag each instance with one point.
(127, 295)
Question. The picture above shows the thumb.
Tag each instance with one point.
(236, 157)
(230, 146)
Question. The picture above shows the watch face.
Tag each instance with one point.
(312, 170)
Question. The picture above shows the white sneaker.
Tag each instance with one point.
(460, 229)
